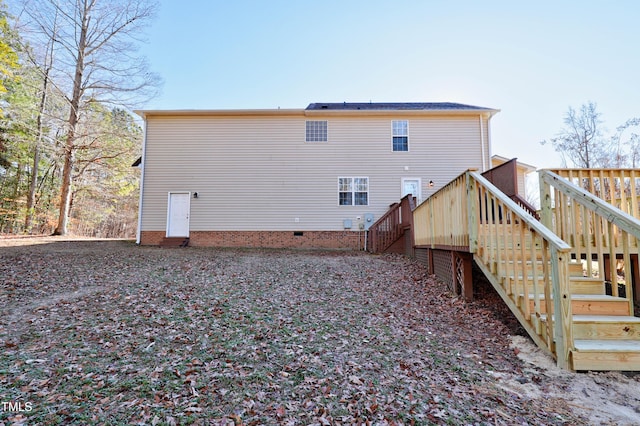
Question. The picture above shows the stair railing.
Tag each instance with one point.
(526, 263)
(385, 230)
(598, 231)
(525, 205)
(391, 226)
(618, 187)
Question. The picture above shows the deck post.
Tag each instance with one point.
(467, 276)
(472, 213)
(462, 274)
(546, 212)
(432, 231)
(635, 277)
(562, 308)
(430, 259)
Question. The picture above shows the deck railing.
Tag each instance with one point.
(441, 220)
(526, 263)
(601, 235)
(391, 226)
(619, 187)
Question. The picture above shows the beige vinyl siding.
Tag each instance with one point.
(522, 189)
(258, 173)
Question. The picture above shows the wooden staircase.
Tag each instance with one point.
(174, 242)
(605, 332)
(570, 310)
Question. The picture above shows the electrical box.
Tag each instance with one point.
(347, 223)
(368, 220)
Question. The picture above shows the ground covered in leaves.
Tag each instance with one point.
(106, 332)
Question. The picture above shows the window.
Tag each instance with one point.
(316, 131)
(400, 135)
(353, 191)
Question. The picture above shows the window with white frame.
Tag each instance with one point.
(400, 135)
(353, 191)
(316, 131)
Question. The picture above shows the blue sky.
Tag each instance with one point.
(532, 60)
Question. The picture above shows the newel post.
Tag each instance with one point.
(546, 208)
(373, 239)
(472, 213)
(563, 331)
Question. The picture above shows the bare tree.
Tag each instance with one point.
(96, 61)
(581, 140)
(629, 148)
(46, 71)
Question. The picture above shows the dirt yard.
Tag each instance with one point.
(105, 332)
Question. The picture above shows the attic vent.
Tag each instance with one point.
(316, 131)
(324, 106)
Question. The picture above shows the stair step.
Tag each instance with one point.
(587, 345)
(579, 285)
(606, 327)
(590, 304)
(621, 355)
(575, 268)
(510, 254)
(586, 285)
(603, 327)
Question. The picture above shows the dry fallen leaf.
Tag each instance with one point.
(123, 334)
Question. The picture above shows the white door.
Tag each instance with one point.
(412, 186)
(178, 214)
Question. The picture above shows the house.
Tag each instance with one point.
(316, 177)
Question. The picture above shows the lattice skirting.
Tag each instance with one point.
(443, 267)
(450, 267)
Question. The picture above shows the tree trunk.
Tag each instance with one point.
(31, 198)
(65, 190)
(67, 171)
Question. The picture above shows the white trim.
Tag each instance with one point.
(142, 168)
(353, 191)
(484, 159)
(407, 135)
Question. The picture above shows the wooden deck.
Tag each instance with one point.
(568, 277)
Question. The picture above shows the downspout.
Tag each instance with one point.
(142, 166)
(484, 163)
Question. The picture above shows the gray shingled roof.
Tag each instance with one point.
(415, 106)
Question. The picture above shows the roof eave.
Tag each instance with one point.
(400, 112)
(217, 112)
(316, 113)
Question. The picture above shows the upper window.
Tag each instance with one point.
(400, 135)
(353, 191)
(316, 131)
